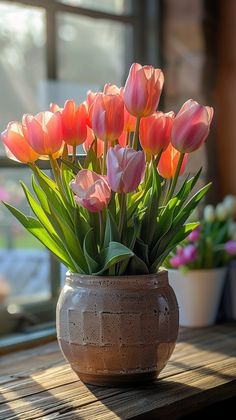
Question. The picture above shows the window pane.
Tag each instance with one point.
(24, 262)
(22, 60)
(111, 6)
(93, 52)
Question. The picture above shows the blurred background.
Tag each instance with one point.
(54, 50)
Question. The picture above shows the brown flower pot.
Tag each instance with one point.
(117, 330)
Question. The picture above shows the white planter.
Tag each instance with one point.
(198, 294)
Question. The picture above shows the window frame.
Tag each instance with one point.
(139, 21)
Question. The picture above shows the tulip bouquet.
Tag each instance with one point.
(213, 243)
(118, 211)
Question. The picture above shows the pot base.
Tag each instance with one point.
(122, 380)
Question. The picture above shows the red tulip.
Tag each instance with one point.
(155, 132)
(44, 132)
(16, 144)
(108, 116)
(142, 90)
(169, 161)
(74, 123)
(125, 168)
(191, 126)
(89, 140)
(91, 190)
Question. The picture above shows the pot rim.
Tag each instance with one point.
(133, 276)
(198, 270)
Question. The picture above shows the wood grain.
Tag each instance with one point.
(39, 384)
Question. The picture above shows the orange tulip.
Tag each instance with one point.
(74, 123)
(44, 132)
(89, 140)
(16, 144)
(89, 106)
(108, 116)
(142, 90)
(155, 132)
(169, 161)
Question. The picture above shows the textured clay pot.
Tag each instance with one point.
(198, 293)
(117, 330)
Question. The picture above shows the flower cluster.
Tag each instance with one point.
(213, 242)
(117, 212)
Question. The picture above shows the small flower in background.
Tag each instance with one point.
(230, 247)
(142, 90)
(209, 213)
(125, 168)
(191, 126)
(91, 190)
(195, 234)
(221, 212)
(229, 203)
(169, 161)
(184, 256)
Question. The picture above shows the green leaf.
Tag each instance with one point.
(90, 252)
(113, 254)
(67, 176)
(92, 161)
(36, 229)
(74, 168)
(137, 266)
(111, 230)
(41, 196)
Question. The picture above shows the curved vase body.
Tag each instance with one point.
(117, 330)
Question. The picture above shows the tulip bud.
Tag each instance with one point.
(230, 247)
(230, 204)
(221, 212)
(155, 132)
(142, 90)
(209, 213)
(125, 168)
(91, 190)
(232, 230)
(191, 126)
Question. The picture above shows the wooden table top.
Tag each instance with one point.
(38, 384)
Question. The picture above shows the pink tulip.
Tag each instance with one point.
(155, 132)
(110, 89)
(89, 106)
(168, 162)
(74, 123)
(195, 234)
(44, 132)
(108, 116)
(89, 140)
(191, 126)
(184, 256)
(230, 247)
(91, 190)
(125, 168)
(142, 90)
(129, 120)
(16, 144)
(54, 107)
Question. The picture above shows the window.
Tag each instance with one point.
(50, 51)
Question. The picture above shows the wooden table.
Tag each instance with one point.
(38, 384)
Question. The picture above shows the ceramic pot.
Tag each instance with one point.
(117, 330)
(198, 293)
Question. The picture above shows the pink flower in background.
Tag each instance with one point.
(108, 116)
(184, 256)
(92, 191)
(44, 132)
(4, 194)
(195, 234)
(74, 123)
(16, 143)
(155, 132)
(125, 168)
(191, 126)
(230, 247)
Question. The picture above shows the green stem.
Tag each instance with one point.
(127, 138)
(100, 228)
(122, 213)
(176, 176)
(74, 154)
(104, 158)
(136, 134)
(56, 174)
(95, 145)
(158, 157)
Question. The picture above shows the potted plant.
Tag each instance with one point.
(113, 220)
(199, 266)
